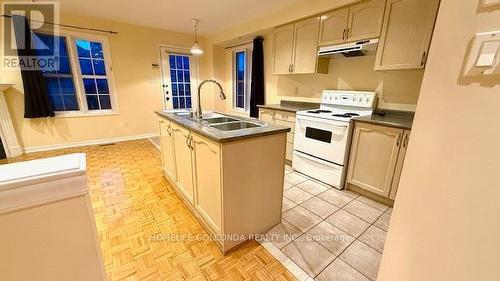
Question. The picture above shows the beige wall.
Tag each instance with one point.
(138, 90)
(445, 223)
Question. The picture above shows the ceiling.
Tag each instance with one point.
(176, 15)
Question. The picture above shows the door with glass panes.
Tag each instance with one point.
(178, 78)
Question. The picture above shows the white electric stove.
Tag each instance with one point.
(323, 135)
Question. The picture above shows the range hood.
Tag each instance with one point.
(353, 49)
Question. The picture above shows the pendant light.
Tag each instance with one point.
(196, 49)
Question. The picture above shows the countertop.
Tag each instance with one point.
(398, 119)
(291, 106)
(224, 136)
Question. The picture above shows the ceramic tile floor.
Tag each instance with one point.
(329, 234)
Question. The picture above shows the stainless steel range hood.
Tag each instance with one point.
(353, 49)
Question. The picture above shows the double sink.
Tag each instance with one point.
(221, 122)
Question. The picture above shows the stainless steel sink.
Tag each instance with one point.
(235, 126)
(219, 120)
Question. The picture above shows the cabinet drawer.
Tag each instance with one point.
(285, 116)
(290, 125)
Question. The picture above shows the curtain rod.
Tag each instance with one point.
(69, 26)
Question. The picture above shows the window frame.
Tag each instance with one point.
(77, 76)
(247, 50)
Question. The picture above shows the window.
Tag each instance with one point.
(180, 78)
(241, 80)
(82, 82)
(60, 84)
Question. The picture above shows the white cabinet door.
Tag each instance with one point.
(283, 49)
(399, 166)
(208, 181)
(167, 149)
(305, 55)
(183, 162)
(333, 27)
(374, 154)
(365, 20)
(406, 34)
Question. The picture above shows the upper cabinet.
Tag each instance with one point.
(283, 49)
(296, 48)
(353, 23)
(406, 34)
(365, 20)
(333, 27)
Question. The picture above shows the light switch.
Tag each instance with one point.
(487, 53)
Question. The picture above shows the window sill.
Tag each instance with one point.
(86, 114)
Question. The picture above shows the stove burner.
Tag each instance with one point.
(346, 115)
(317, 111)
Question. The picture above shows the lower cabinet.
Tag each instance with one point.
(376, 159)
(281, 118)
(183, 160)
(230, 187)
(167, 148)
(206, 156)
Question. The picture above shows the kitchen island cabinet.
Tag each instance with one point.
(233, 186)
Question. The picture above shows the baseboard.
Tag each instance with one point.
(85, 143)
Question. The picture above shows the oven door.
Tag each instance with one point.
(325, 139)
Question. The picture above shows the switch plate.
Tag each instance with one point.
(484, 55)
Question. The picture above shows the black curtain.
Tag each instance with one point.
(36, 99)
(257, 89)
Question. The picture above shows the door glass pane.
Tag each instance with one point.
(180, 80)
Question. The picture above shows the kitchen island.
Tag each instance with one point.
(228, 171)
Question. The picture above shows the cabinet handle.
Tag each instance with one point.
(405, 141)
(343, 34)
(169, 130)
(347, 33)
(422, 61)
(293, 68)
(398, 142)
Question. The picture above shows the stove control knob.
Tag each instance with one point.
(367, 99)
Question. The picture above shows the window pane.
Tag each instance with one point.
(83, 48)
(178, 62)
(188, 102)
(57, 103)
(181, 103)
(86, 66)
(171, 60)
(96, 49)
(175, 102)
(70, 102)
(186, 76)
(180, 76)
(102, 86)
(186, 62)
(175, 92)
(52, 86)
(173, 76)
(89, 85)
(187, 91)
(92, 102)
(67, 86)
(105, 101)
(64, 67)
(99, 68)
(181, 90)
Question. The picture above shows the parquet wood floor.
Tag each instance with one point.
(132, 201)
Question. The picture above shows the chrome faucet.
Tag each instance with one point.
(198, 113)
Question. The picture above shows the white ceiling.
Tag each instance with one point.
(176, 15)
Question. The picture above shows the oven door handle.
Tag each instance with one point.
(328, 122)
(321, 161)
